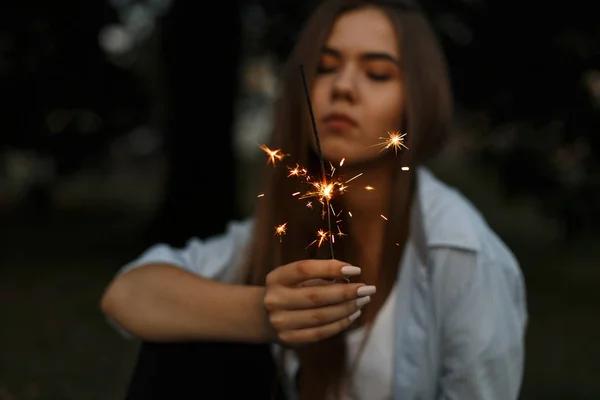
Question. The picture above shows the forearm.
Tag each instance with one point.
(163, 303)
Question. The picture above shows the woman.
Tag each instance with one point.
(433, 303)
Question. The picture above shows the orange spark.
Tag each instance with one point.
(297, 171)
(324, 190)
(342, 161)
(274, 155)
(394, 140)
(332, 210)
(384, 217)
(322, 237)
(369, 188)
(353, 178)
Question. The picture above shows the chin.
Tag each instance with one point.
(335, 156)
(357, 159)
(334, 150)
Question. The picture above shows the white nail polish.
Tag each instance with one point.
(366, 290)
(361, 301)
(350, 270)
(354, 315)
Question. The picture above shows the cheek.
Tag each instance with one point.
(318, 99)
(319, 102)
(383, 118)
(387, 108)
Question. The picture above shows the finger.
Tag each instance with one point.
(315, 296)
(316, 282)
(304, 270)
(310, 318)
(311, 335)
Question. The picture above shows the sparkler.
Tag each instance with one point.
(323, 185)
(320, 190)
(323, 190)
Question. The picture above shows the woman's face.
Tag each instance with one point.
(357, 94)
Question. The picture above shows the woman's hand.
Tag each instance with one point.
(304, 307)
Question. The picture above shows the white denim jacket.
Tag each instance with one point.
(461, 309)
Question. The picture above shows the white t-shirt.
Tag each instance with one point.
(373, 377)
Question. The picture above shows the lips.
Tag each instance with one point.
(339, 121)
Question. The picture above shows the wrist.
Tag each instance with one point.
(257, 316)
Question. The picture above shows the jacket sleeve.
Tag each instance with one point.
(483, 321)
(217, 257)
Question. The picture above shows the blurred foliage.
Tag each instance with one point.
(61, 96)
(530, 73)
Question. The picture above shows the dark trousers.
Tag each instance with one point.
(204, 370)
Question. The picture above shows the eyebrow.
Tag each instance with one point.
(369, 56)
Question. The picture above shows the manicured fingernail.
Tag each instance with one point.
(361, 301)
(354, 315)
(366, 290)
(350, 270)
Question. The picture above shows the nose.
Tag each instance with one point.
(344, 87)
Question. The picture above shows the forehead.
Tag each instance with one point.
(363, 30)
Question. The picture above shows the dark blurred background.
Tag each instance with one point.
(124, 123)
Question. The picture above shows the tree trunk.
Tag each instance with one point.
(202, 77)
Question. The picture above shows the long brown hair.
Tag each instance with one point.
(428, 115)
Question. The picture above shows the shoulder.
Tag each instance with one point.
(235, 234)
(215, 257)
(451, 221)
(236, 231)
